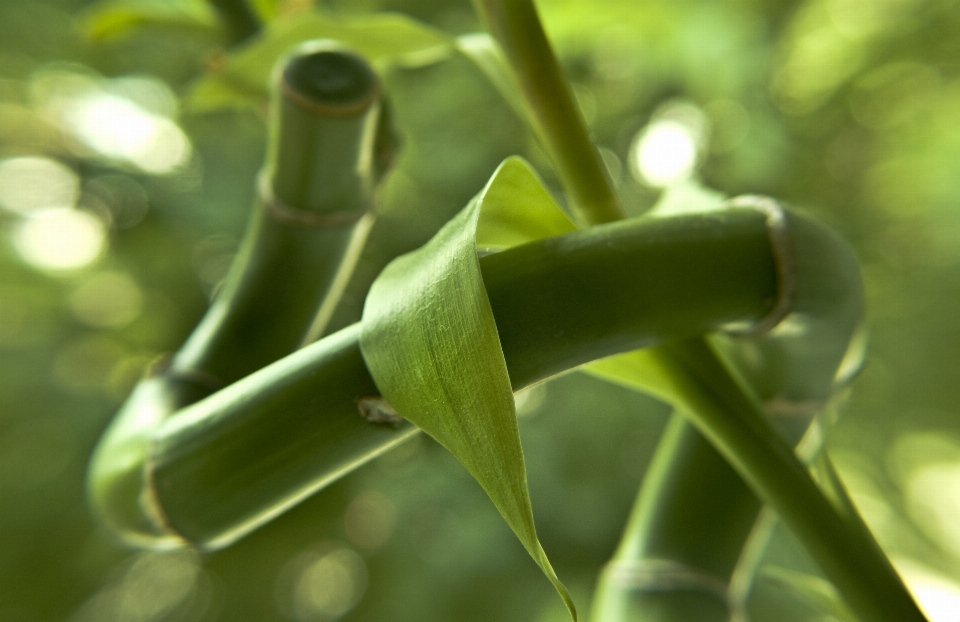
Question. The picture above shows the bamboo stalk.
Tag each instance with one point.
(792, 372)
(681, 544)
(553, 111)
(837, 540)
(315, 195)
(228, 463)
(303, 240)
(515, 25)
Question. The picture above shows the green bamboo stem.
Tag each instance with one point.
(677, 493)
(228, 463)
(516, 26)
(269, 440)
(792, 372)
(316, 195)
(837, 540)
(683, 539)
(303, 240)
(552, 109)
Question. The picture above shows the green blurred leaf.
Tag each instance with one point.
(383, 38)
(212, 94)
(816, 592)
(430, 341)
(115, 18)
(485, 53)
(265, 9)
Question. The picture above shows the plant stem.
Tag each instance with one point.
(839, 542)
(844, 547)
(315, 195)
(221, 467)
(554, 112)
(684, 536)
(302, 243)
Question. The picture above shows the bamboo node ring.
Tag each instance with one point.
(781, 245)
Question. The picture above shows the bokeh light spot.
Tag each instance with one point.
(59, 238)
(665, 153)
(322, 584)
(30, 183)
(157, 586)
(938, 596)
(369, 520)
(119, 128)
(933, 497)
(127, 119)
(107, 300)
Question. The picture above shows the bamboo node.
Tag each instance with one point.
(289, 215)
(664, 575)
(781, 245)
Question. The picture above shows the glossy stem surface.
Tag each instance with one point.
(839, 542)
(314, 195)
(683, 539)
(234, 460)
(792, 372)
(313, 213)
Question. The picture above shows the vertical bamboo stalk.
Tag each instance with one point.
(556, 117)
(312, 216)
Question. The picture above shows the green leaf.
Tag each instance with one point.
(818, 593)
(265, 9)
(431, 343)
(116, 18)
(384, 38)
(210, 94)
(485, 53)
(639, 370)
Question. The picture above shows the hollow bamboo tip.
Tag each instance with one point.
(330, 82)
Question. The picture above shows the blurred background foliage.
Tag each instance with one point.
(127, 159)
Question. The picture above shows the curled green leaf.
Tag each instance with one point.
(430, 341)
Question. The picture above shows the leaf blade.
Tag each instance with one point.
(430, 341)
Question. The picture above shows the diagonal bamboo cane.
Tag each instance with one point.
(515, 25)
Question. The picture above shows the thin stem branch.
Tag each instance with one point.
(554, 112)
(839, 542)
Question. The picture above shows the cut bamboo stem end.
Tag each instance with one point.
(781, 246)
(327, 109)
(314, 216)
